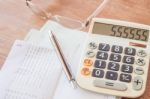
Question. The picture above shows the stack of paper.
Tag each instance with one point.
(33, 71)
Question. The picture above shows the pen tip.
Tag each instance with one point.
(73, 83)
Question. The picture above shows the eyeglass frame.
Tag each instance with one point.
(84, 24)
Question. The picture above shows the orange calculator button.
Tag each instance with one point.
(88, 62)
(85, 71)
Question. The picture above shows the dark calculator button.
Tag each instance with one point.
(117, 49)
(125, 77)
(127, 68)
(98, 73)
(115, 57)
(102, 55)
(111, 75)
(104, 47)
(113, 66)
(100, 64)
(130, 51)
(128, 59)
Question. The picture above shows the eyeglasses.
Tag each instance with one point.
(65, 21)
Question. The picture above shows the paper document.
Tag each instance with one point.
(33, 71)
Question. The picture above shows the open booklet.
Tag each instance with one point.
(32, 70)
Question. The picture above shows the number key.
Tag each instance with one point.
(98, 73)
(127, 68)
(113, 66)
(115, 57)
(100, 64)
(117, 49)
(128, 59)
(104, 47)
(102, 55)
(130, 51)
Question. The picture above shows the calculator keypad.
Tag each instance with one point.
(114, 63)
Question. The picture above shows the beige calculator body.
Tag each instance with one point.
(115, 59)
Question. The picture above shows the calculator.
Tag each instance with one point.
(115, 59)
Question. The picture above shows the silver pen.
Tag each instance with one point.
(61, 56)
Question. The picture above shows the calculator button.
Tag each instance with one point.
(111, 75)
(88, 62)
(137, 83)
(125, 77)
(85, 71)
(117, 49)
(100, 64)
(104, 47)
(115, 57)
(109, 85)
(113, 66)
(92, 45)
(128, 59)
(127, 68)
(139, 70)
(140, 61)
(141, 53)
(130, 51)
(90, 54)
(98, 73)
(102, 55)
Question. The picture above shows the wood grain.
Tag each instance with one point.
(16, 19)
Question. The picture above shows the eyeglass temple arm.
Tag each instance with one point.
(36, 10)
(96, 12)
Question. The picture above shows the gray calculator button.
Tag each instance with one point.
(137, 83)
(113, 66)
(130, 51)
(140, 61)
(92, 45)
(125, 77)
(100, 64)
(141, 53)
(117, 49)
(104, 47)
(127, 68)
(128, 59)
(111, 75)
(115, 57)
(98, 73)
(90, 54)
(102, 55)
(109, 85)
(139, 70)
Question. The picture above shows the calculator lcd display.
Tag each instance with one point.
(121, 31)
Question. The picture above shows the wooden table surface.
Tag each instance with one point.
(16, 19)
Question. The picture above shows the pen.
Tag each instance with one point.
(60, 54)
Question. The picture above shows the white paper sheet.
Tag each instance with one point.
(30, 72)
(72, 42)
